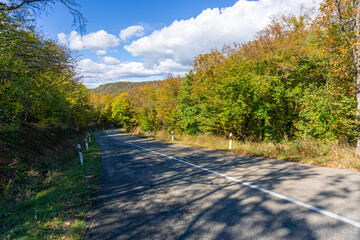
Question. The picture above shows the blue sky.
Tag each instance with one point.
(138, 40)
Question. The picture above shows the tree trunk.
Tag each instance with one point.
(356, 53)
(357, 117)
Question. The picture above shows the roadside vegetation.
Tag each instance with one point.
(313, 152)
(44, 112)
(291, 93)
(49, 198)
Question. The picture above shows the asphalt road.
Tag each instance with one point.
(157, 190)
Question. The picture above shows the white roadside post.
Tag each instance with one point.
(86, 144)
(89, 136)
(148, 133)
(172, 136)
(80, 155)
(230, 142)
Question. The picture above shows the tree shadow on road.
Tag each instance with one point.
(148, 196)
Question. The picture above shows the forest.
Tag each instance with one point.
(297, 79)
(119, 87)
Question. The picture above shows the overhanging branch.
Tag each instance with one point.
(341, 21)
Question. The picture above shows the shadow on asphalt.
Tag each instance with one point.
(147, 196)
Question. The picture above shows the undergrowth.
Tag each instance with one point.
(329, 154)
(48, 198)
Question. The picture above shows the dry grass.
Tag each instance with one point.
(310, 151)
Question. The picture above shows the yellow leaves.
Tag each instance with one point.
(166, 95)
(342, 50)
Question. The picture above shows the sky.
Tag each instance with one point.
(142, 40)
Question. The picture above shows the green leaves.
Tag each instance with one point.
(121, 111)
(326, 116)
(281, 85)
(37, 79)
(258, 90)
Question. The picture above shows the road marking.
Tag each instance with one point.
(305, 205)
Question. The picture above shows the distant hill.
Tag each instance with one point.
(119, 87)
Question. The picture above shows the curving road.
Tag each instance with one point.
(156, 190)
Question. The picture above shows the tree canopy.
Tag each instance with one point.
(38, 81)
(24, 7)
(297, 79)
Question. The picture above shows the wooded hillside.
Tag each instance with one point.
(119, 87)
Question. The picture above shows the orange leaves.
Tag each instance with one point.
(342, 50)
(208, 65)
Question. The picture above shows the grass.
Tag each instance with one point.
(309, 152)
(53, 206)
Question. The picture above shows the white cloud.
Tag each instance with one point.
(173, 48)
(170, 66)
(115, 71)
(110, 60)
(111, 70)
(101, 52)
(62, 38)
(96, 41)
(132, 31)
(185, 39)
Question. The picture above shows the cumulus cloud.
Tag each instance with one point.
(97, 41)
(110, 60)
(132, 31)
(185, 39)
(170, 66)
(173, 48)
(62, 38)
(101, 52)
(111, 69)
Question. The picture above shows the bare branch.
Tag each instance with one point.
(41, 5)
(341, 21)
(78, 17)
(15, 6)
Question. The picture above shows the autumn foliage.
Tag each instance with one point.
(294, 80)
(290, 82)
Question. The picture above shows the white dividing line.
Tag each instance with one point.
(316, 209)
